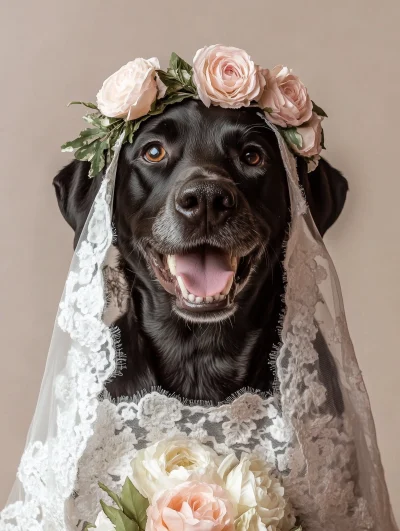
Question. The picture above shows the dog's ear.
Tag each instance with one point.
(325, 189)
(75, 193)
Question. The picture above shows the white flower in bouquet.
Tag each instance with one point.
(168, 463)
(259, 497)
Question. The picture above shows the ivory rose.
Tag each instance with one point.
(226, 76)
(311, 135)
(192, 506)
(168, 463)
(285, 98)
(130, 92)
(258, 496)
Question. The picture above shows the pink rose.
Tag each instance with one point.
(226, 76)
(192, 506)
(285, 98)
(130, 92)
(311, 136)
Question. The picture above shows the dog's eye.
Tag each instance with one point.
(155, 153)
(251, 157)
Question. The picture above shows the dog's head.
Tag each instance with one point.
(201, 195)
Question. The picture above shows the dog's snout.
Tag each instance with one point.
(206, 200)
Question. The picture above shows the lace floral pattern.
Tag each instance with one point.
(48, 470)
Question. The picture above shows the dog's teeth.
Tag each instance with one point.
(199, 300)
(228, 286)
(183, 289)
(209, 299)
(191, 297)
(171, 261)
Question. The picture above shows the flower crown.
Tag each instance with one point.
(221, 75)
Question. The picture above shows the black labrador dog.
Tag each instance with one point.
(201, 213)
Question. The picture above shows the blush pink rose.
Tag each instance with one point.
(130, 92)
(192, 506)
(311, 135)
(285, 98)
(226, 76)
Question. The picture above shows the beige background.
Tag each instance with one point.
(54, 51)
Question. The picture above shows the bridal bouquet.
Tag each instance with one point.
(179, 484)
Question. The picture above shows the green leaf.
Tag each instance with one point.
(98, 160)
(170, 81)
(100, 121)
(268, 110)
(89, 526)
(118, 518)
(292, 136)
(169, 100)
(179, 76)
(85, 137)
(86, 152)
(177, 63)
(112, 494)
(134, 504)
(85, 103)
(318, 110)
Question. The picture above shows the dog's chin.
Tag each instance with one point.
(203, 281)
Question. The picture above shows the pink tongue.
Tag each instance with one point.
(205, 272)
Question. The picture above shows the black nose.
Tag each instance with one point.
(209, 201)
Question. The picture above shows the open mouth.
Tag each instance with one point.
(203, 279)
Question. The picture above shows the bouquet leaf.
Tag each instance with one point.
(134, 504)
(318, 110)
(112, 495)
(119, 518)
(131, 511)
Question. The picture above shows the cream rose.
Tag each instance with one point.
(257, 494)
(192, 506)
(130, 92)
(103, 523)
(311, 137)
(285, 98)
(170, 462)
(226, 76)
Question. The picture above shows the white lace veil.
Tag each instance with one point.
(317, 430)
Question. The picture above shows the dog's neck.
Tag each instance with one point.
(207, 361)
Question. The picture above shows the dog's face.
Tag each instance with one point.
(202, 193)
(202, 206)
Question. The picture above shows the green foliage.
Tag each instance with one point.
(97, 143)
(292, 136)
(178, 77)
(131, 507)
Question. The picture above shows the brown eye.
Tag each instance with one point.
(155, 153)
(252, 158)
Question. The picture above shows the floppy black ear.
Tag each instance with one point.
(75, 194)
(325, 189)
